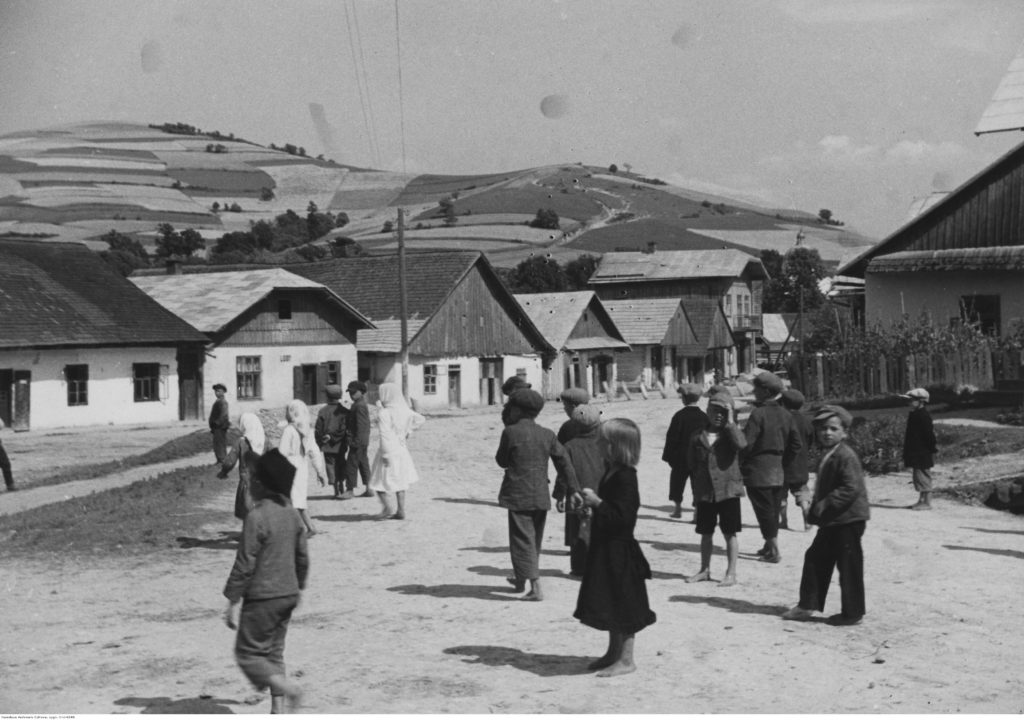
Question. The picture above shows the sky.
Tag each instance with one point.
(858, 106)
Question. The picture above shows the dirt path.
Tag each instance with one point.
(414, 617)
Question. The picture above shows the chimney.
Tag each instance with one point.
(652, 247)
(173, 267)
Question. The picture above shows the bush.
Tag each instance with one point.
(879, 443)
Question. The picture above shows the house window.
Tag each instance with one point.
(333, 373)
(983, 310)
(248, 377)
(146, 378)
(77, 377)
(521, 373)
(430, 379)
(284, 309)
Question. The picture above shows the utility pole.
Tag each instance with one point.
(404, 302)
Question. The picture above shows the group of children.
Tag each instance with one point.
(597, 485)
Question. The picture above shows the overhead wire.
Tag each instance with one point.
(359, 76)
(401, 99)
(366, 82)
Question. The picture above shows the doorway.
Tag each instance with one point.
(305, 383)
(490, 381)
(454, 386)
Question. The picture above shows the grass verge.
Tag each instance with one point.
(151, 515)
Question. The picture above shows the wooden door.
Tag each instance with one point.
(490, 381)
(454, 386)
(22, 404)
(6, 396)
(190, 386)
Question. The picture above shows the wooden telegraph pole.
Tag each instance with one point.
(404, 302)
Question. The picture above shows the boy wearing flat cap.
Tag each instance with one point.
(511, 384)
(331, 432)
(357, 464)
(219, 423)
(269, 574)
(840, 510)
(691, 419)
(772, 442)
(584, 453)
(571, 399)
(524, 451)
(919, 446)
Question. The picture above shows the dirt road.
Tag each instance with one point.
(414, 617)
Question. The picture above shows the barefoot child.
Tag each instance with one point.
(714, 460)
(613, 593)
(269, 572)
(919, 446)
(524, 451)
(691, 419)
(840, 510)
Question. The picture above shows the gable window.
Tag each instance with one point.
(983, 310)
(146, 379)
(430, 379)
(248, 377)
(284, 309)
(77, 378)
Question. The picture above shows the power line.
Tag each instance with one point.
(366, 82)
(401, 101)
(370, 135)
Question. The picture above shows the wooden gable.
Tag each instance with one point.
(315, 319)
(472, 321)
(594, 322)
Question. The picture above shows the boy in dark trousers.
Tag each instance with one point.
(691, 419)
(219, 423)
(713, 457)
(919, 446)
(587, 460)
(840, 510)
(331, 432)
(524, 451)
(269, 573)
(357, 463)
(795, 473)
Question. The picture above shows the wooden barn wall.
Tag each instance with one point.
(631, 365)
(703, 287)
(990, 216)
(681, 335)
(590, 325)
(314, 321)
(720, 335)
(472, 322)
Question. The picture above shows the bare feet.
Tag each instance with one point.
(533, 595)
(798, 613)
(517, 584)
(617, 668)
(702, 576)
(729, 581)
(677, 513)
(398, 516)
(602, 662)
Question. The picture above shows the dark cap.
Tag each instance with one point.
(575, 395)
(333, 392)
(357, 385)
(587, 416)
(827, 411)
(512, 384)
(792, 399)
(719, 395)
(769, 382)
(275, 472)
(530, 401)
(690, 392)
(220, 386)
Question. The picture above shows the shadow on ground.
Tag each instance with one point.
(540, 664)
(736, 605)
(491, 571)
(991, 551)
(467, 501)
(476, 592)
(227, 540)
(185, 706)
(990, 530)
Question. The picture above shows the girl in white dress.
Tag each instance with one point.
(393, 471)
(299, 446)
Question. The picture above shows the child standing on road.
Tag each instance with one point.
(613, 593)
(840, 510)
(919, 446)
(584, 454)
(269, 573)
(795, 473)
(691, 419)
(714, 460)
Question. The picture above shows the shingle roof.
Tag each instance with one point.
(616, 267)
(1008, 257)
(643, 321)
(371, 283)
(61, 294)
(709, 322)
(387, 336)
(210, 301)
(556, 315)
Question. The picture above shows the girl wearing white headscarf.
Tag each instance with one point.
(245, 452)
(393, 470)
(299, 446)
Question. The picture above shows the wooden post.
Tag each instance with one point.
(643, 389)
(625, 390)
(883, 376)
(608, 393)
(821, 376)
(660, 388)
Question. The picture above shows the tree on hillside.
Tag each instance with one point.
(447, 206)
(178, 245)
(613, 168)
(795, 273)
(579, 271)
(342, 247)
(124, 253)
(546, 218)
(341, 219)
(538, 274)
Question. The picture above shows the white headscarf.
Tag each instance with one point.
(402, 415)
(297, 413)
(252, 430)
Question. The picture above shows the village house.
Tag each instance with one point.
(671, 341)
(80, 345)
(732, 278)
(272, 335)
(587, 340)
(465, 330)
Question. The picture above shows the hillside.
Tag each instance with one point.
(79, 182)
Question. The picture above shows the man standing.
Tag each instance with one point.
(5, 465)
(772, 442)
(219, 424)
(357, 462)
(332, 437)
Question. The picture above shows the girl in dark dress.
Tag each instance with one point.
(613, 593)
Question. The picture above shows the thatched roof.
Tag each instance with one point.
(1009, 257)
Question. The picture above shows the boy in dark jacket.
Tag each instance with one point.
(795, 473)
(691, 419)
(584, 452)
(919, 446)
(524, 451)
(840, 510)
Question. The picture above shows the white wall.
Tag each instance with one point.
(111, 392)
(277, 363)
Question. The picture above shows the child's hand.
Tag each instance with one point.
(590, 498)
(230, 616)
(576, 502)
(560, 505)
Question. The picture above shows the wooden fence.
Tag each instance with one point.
(857, 376)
